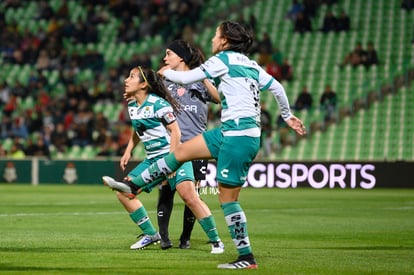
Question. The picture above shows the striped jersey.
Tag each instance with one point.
(194, 99)
(239, 81)
(147, 123)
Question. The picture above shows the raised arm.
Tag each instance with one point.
(182, 77)
(280, 95)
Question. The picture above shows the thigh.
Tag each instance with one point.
(182, 174)
(192, 149)
(233, 162)
(140, 167)
(213, 140)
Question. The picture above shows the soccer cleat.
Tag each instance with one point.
(126, 187)
(184, 244)
(217, 247)
(243, 262)
(166, 244)
(146, 240)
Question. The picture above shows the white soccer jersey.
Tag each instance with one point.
(239, 81)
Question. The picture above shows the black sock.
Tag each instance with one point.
(164, 209)
(188, 224)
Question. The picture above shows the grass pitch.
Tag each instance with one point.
(62, 229)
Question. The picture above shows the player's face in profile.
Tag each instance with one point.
(217, 43)
(172, 59)
(132, 82)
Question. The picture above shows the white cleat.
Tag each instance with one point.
(146, 240)
(217, 247)
(126, 188)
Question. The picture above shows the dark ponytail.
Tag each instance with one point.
(156, 86)
(239, 38)
(197, 57)
(191, 55)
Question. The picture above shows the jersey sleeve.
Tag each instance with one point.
(214, 67)
(164, 112)
(185, 77)
(267, 82)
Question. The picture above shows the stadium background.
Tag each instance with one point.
(374, 116)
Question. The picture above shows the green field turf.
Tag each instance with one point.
(64, 229)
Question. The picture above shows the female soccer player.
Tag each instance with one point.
(151, 109)
(236, 142)
(193, 99)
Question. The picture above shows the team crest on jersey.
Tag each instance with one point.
(147, 112)
(136, 113)
(181, 91)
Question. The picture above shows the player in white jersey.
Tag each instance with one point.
(194, 99)
(151, 109)
(236, 142)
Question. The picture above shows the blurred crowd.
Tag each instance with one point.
(62, 121)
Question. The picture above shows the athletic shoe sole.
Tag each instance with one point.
(238, 265)
(118, 186)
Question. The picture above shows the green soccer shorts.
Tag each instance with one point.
(234, 155)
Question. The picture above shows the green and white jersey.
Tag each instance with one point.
(239, 81)
(148, 122)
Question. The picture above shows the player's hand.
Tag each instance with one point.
(161, 71)
(127, 96)
(124, 161)
(297, 125)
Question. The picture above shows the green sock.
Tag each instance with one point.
(140, 217)
(209, 226)
(237, 225)
(162, 167)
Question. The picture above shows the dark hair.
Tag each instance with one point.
(197, 57)
(239, 38)
(192, 55)
(156, 86)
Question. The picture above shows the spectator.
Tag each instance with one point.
(145, 27)
(3, 152)
(343, 22)
(266, 129)
(294, 10)
(59, 138)
(19, 129)
(354, 58)
(302, 23)
(283, 132)
(407, 5)
(329, 22)
(265, 49)
(329, 2)
(286, 70)
(310, 7)
(16, 150)
(328, 103)
(273, 68)
(253, 22)
(370, 57)
(4, 93)
(6, 127)
(19, 90)
(38, 147)
(304, 100)
(10, 106)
